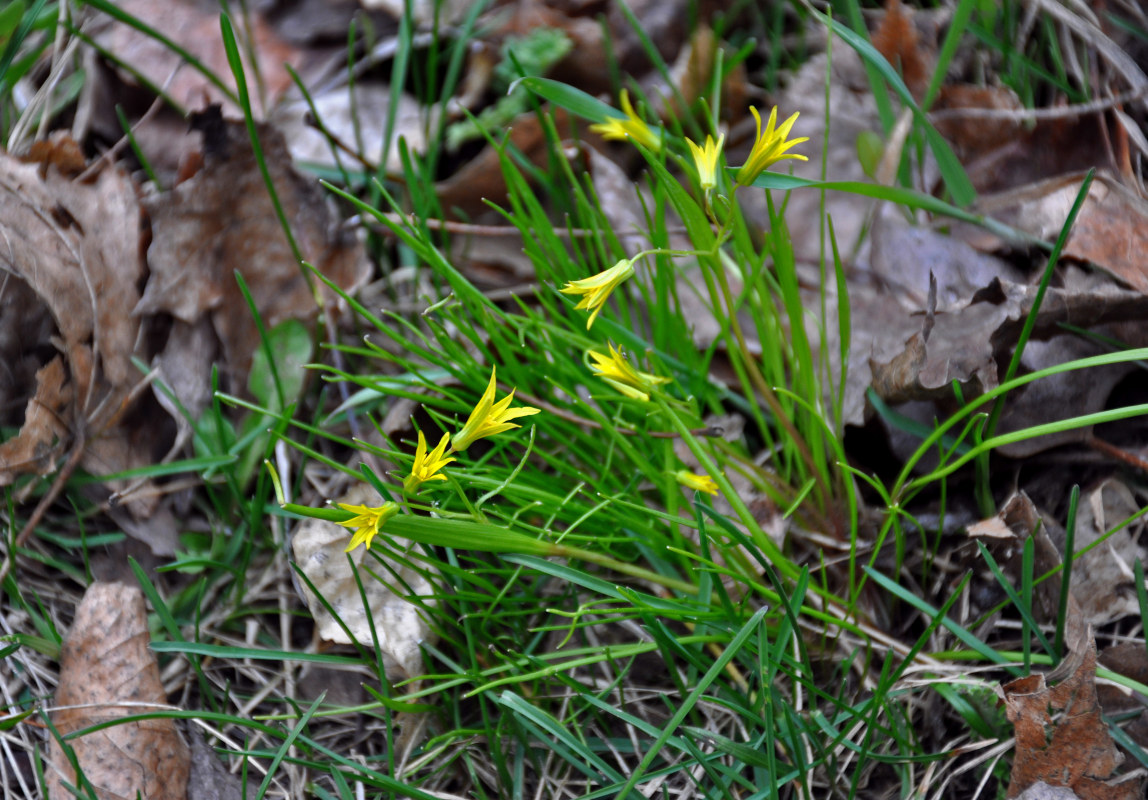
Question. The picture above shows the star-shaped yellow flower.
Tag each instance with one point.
(597, 288)
(616, 371)
(632, 127)
(701, 483)
(366, 522)
(769, 147)
(426, 467)
(706, 160)
(489, 418)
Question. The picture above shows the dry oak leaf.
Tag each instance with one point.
(897, 39)
(77, 246)
(35, 448)
(481, 181)
(964, 344)
(222, 221)
(75, 249)
(107, 672)
(1061, 737)
(194, 26)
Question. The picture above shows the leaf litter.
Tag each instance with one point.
(79, 240)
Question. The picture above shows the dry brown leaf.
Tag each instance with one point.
(897, 40)
(76, 248)
(1131, 661)
(1110, 229)
(481, 180)
(902, 259)
(210, 779)
(1102, 578)
(1061, 738)
(1073, 749)
(423, 12)
(35, 448)
(195, 27)
(691, 74)
(852, 112)
(1057, 397)
(366, 117)
(664, 22)
(221, 222)
(879, 327)
(1004, 536)
(964, 343)
(1054, 148)
(623, 202)
(1042, 791)
(973, 137)
(59, 150)
(185, 368)
(107, 668)
(903, 256)
(26, 331)
(959, 349)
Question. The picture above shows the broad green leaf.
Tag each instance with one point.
(573, 100)
(290, 345)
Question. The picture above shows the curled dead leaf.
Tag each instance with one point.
(35, 448)
(107, 672)
(1061, 737)
(73, 248)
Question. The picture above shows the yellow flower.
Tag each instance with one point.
(706, 159)
(597, 288)
(489, 418)
(632, 127)
(769, 147)
(425, 466)
(616, 371)
(366, 522)
(701, 483)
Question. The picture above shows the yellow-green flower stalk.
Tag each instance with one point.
(632, 127)
(366, 522)
(426, 467)
(616, 371)
(701, 483)
(489, 418)
(769, 147)
(706, 160)
(597, 288)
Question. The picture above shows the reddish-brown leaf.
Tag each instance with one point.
(1061, 738)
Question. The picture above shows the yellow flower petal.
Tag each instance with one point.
(631, 127)
(366, 522)
(701, 483)
(489, 418)
(769, 147)
(616, 371)
(596, 289)
(426, 467)
(706, 161)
